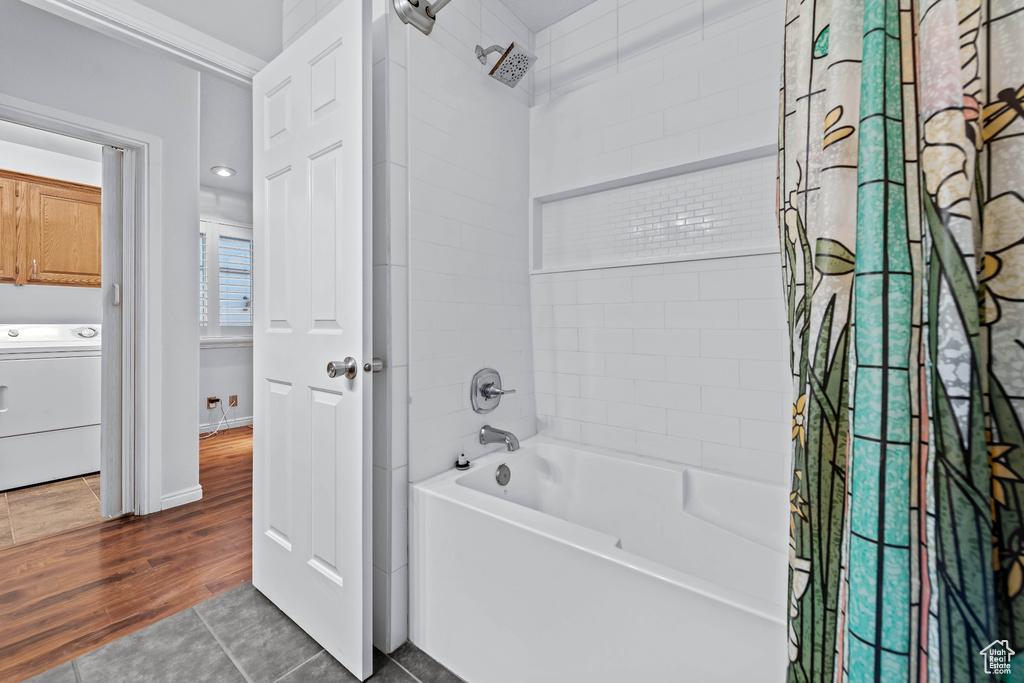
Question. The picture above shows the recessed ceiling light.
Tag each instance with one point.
(223, 171)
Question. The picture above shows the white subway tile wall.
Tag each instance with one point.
(391, 329)
(698, 375)
(705, 212)
(300, 15)
(627, 87)
(468, 204)
(683, 360)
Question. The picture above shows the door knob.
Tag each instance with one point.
(348, 367)
(376, 366)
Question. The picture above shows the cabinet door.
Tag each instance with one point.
(61, 230)
(8, 235)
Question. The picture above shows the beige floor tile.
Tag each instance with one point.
(93, 480)
(6, 537)
(52, 508)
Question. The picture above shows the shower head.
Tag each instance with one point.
(512, 65)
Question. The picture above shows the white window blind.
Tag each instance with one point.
(204, 292)
(225, 280)
(235, 260)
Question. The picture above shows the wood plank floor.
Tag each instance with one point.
(65, 595)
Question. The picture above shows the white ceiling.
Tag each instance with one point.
(539, 14)
(253, 26)
(225, 134)
(51, 142)
(225, 137)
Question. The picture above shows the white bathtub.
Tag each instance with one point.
(590, 566)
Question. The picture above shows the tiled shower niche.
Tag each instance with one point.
(727, 209)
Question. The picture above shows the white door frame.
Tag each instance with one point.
(141, 291)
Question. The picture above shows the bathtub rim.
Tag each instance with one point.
(445, 486)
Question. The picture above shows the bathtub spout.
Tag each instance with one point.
(489, 434)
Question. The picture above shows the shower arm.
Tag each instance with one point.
(481, 52)
(435, 7)
(418, 14)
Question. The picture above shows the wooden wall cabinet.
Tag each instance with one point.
(8, 231)
(50, 232)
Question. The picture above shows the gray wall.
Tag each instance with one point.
(48, 304)
(94, 76)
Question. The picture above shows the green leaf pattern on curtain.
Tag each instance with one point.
(901, 209)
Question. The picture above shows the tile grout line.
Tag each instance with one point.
(10, 518)
(286, 674)
(90, 490)
(399, 665)
(222, 646)
(78, 672)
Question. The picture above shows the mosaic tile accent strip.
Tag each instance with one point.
(722, 209)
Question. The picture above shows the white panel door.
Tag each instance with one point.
(312, 449)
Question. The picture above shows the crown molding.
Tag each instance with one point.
(137, 24)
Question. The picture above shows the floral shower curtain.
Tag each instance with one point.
(901, 199)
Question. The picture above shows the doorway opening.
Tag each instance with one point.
(63, 457)
(51, 316)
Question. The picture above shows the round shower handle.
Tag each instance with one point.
(348, 367)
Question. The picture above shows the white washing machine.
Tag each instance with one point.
(49, 402)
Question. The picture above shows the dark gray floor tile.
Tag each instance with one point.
(422, 665)
(264, 642)
(322, 667)
(179, 648)
(65, 673)
(390, 672)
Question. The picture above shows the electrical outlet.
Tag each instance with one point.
(232, 401)
(211, 402)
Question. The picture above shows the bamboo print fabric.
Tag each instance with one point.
(901, 177)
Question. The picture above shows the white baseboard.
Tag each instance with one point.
(228, 424)
(189, 495)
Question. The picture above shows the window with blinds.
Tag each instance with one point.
(235, 270)
(204, 292)
(225, 280)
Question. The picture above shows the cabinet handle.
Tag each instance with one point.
(35, 268)
(117, 295)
